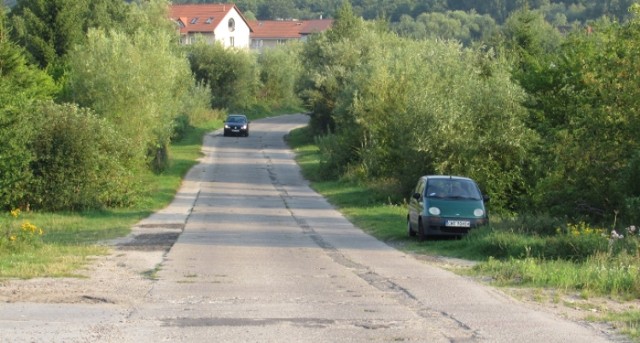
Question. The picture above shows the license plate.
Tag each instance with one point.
(458, 223)
(235, 130)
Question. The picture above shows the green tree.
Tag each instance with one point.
(280, 71)
(412, 100)
(231, 75)
(326, 67)
(397, 109)
(584, 104)
(20, 86)
(48, 29)
(136, 78)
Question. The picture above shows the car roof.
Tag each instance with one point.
(237, 116)
(441, 177)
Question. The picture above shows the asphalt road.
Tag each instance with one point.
(263, 258)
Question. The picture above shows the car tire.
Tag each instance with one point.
(422, 233)
(410, 229)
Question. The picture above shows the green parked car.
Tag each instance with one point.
(443, 205)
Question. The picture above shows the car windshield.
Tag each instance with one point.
(235, 119)
(452, 189)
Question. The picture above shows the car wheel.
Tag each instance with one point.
(410, 229)
(422, 234)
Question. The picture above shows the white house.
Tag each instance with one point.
(212, 22)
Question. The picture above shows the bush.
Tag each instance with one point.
(76, 161)
(180, 125)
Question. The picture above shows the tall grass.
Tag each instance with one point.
(597, 276)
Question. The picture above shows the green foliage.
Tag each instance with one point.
(280, 71)
(76, 162)
(397, 109)
(230, 74)
(327, 60)
(583, 103)
(561, 11)
(48, 29)
(458, 25)
(20, 85)
(63, 157)
(117, 75)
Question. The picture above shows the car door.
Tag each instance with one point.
(416, 205)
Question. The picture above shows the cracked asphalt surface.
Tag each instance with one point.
(249, 252)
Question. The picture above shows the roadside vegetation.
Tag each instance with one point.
(545, 121)
(102, 113)
(517, 251)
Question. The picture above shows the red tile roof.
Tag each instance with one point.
(201, 17)
(317, 25)
(287, 29)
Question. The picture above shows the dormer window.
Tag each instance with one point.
(232, 25)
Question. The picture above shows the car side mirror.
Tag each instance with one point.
(417, 196)
(485, 198)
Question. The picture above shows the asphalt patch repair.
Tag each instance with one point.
(152, 237)
(151, 241)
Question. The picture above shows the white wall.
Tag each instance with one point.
(241, 34)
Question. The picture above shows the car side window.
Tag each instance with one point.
(420, 189)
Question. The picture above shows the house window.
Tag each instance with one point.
(232, 41)
(232, 25)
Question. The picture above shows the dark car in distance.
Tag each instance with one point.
(236, 124)
(443, 205)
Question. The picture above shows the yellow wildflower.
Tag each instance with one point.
(28, 227)
(12, 238)
(15, 213)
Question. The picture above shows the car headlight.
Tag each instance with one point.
(244, 127)
(478, 212)
(226, 126)
(434, 211)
